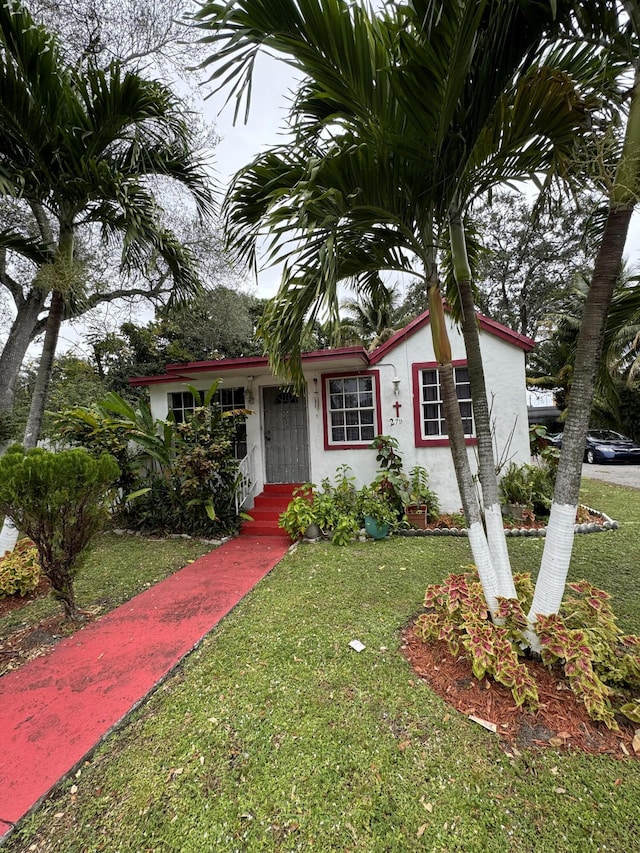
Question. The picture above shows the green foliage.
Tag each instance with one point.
(338, 507)
(376, 504)
(457, 614)
(176, 477)
(530, 485)
(300, 513)
(59, 500)
(420, 495)
(19, 569)
(602, 665)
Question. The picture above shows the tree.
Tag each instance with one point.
(92, 34)
(59, 500)
(369, 320)
(389, 169)
(136, 33)
(132, 129)
(622, 198)
(530, 258)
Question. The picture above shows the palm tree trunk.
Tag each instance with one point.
(486, 462)
(560, 532)
(455, 434)
(64, 261)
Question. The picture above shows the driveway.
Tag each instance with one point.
(619, 475)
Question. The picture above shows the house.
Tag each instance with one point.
(353, 395)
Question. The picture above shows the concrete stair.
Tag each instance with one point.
(267, 507)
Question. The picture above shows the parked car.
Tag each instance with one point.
(606, 445)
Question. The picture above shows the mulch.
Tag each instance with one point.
(561, 721)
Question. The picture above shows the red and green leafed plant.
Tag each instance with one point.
(602, 666)
(19, 569)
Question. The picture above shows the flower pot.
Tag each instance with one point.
(417, 517)
(374, 528)
(514, 510)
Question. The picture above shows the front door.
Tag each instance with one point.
(286, 438)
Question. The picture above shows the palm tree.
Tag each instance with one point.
(370, 81)
(79, 149)
(369, 320)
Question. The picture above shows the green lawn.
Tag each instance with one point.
(275, 736)
(114, 569)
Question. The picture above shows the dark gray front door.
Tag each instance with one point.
(286, 439)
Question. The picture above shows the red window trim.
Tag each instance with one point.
(325, 407)
(416, 368)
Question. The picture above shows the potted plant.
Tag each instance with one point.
(299, 515)
(379, 515)
(421, 503)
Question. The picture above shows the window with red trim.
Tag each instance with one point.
(350, 410)
(430, 421)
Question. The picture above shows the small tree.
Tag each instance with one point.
(60, 501)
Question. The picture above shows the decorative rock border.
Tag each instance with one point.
(588, 527)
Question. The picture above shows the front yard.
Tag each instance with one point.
(276, 735)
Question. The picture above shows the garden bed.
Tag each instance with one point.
(561, 721)
(588, 520)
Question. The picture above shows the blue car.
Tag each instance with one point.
(605, 445)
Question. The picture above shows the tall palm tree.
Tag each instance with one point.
(369, 319)
(80, 149)
(369, 77)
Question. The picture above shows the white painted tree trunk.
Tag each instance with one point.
(555, 561)
(8, 537)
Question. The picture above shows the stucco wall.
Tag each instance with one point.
(505, 377)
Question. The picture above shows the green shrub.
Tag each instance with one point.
(19, 569)
(174, 477)
(530, 486)
(60, 500)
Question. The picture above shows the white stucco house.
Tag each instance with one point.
(353, 395)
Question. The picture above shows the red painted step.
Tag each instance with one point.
(267, 507)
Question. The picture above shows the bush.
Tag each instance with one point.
(19, 569)
(174, 477)
(60, 500)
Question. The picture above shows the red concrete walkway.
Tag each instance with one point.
(56, 709)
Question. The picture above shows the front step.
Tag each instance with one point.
(267, 507)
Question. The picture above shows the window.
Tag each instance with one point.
(182, 404)
(430, 422)
(351, 410)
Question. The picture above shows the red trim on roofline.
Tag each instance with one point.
(486, 323)
(176, 372)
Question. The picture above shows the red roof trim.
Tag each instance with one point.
(175, 372)
(486, 323)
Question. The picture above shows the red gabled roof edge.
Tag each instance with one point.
(486, 323)
(176, 372)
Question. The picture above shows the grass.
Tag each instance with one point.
(114, 570)
(276, 736)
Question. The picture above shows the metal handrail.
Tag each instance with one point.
(246, 479)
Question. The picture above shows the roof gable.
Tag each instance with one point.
(184, 372)
(486, 324)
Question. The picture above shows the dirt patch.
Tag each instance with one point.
(26, 643)
(14, 602)
(560, 722)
